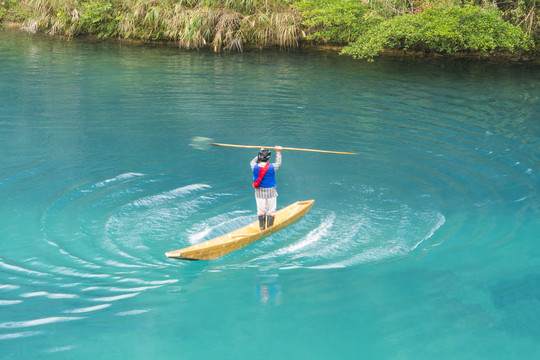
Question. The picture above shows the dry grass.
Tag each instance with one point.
(219, 24)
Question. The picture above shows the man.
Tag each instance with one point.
(264, 182)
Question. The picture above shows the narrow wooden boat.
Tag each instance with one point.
(237, 239)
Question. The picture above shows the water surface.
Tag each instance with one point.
(423, 246)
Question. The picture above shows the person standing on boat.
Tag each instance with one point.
(264, 182)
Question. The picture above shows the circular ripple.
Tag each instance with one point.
(445, 161)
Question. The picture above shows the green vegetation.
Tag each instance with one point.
(336, 21)
(5, 8)
(364, 28)
(367, 28)
(443, 30)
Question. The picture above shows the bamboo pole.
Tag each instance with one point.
(284, 148)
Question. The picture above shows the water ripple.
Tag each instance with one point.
(445, 162)
(37, 322)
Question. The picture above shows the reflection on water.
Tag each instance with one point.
(267, 287)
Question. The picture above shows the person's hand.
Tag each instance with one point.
(278, 148)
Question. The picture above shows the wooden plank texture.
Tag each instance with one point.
(237, 239)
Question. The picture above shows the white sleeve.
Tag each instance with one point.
(277, 164)
(254, 162)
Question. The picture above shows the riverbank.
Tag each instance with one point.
(308, 46)
(354, 28)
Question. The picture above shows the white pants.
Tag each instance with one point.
(266, 206)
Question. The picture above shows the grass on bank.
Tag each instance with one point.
(363, 27)
(221, 24)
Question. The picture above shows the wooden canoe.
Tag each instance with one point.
(237, 239)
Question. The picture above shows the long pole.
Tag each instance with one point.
(284, 148)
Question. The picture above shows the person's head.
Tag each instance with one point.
(264, 155)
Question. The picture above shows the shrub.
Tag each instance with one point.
(336, 21)
(443, 30)
(96, 17)
(5, 7)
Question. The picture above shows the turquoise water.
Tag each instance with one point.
(424, 246)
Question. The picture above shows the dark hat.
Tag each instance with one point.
(264, 155)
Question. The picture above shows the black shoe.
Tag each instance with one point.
(262, 222)
(271, 220)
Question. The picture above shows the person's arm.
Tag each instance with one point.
(254, 162)
(277, 164)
